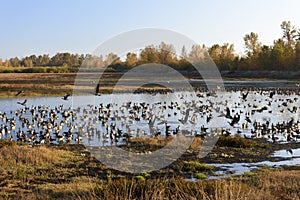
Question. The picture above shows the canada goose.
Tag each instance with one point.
(22, 103)
(66, 97)
(272, 93)
(247, 118)
(244, 95)
(235, 120)
(289, 150)
(20, 92)
(97, 90)
(184, 120)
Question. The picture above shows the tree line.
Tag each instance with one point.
(283, 54)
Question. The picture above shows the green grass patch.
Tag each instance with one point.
(144, 174)
(194, 166)
(139, 178)
(200, 176)
(239, 142)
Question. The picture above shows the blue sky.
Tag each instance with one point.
(79, 26)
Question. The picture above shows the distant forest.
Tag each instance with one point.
(283, 54)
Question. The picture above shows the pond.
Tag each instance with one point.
(111, 119)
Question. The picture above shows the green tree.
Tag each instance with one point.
(289, 33)
(282, 55)
(45, 60)
(264, 58)
(15, 62)
(252, 50)
(252, 44)
(297, 56)
(39, 61)
(223, 55)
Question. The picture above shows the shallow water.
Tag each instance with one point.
(87, 118)
(287, 153)
(279, 113)
(229, 169)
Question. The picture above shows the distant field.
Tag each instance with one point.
(45, 84)
(54, 84)
(35, 84)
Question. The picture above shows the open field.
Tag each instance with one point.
(35, 84)
(57, 84)
(69, 171)
(41, 84)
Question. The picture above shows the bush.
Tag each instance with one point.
(139, 178)
(145, 174)
(238, 142)
(201, 176)
(194, 166)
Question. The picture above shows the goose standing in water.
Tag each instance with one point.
(244, 96)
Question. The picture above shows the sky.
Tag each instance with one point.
(79, 26)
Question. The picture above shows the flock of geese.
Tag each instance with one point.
(271, 114)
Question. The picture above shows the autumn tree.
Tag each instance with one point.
(131, 59)
(223, 55)
(27, 62)
(197, 53)
(112, 59)
(166, 53)
(183, 54)
(7, 63)
(149, 55)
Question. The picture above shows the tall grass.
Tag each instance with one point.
(152, 189)
(60, 173)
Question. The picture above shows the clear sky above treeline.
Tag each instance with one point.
(78, 26)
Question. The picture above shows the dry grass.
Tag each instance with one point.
(152, 141)
(50, 84)
(88, 188)
(16, 155)
(63, 173)
(268, 185)
(35, 84)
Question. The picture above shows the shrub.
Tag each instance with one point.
(201, 176)
(195, 166)
(238, 142)
(139, 178)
